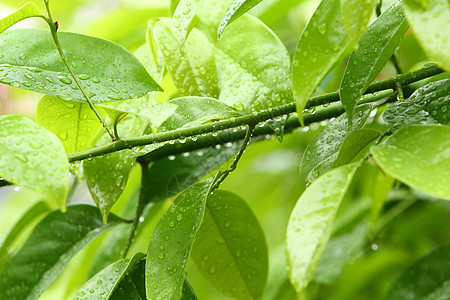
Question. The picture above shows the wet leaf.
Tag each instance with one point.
(237, 9)
(322, 43)
(311, 222)
(429, 21)
(375, 48)
(230, 248)
(355, 17)
(29, 10)
(106, 178)
(323, 150)
(172, 241)
(33, 157)
(277, 125)
(418, 156)
(103, 284)
(427, 279)
(107, 72)
(427, 105)
(47, 251)
(253, 66)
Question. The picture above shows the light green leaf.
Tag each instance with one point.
(234, 260)
(184, 19)
(382, 186)
(272, 11)
(192, 67)
(103, 284)
(29, 10)
(311, 222)
(57, 238)
(375, 48)
(172, 241)
(33, 157)
(253, 66)
(107, 72)
(173, 6)
(106, 178)
(427, 105)
(237, 9)
(427, 279)
(75, 124)
(418, 156)
(354, 143)
(323, 150)
(430, 20)
(322, 43)
(355, 17)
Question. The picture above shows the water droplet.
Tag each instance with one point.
(84, 76)
(179, 217)
(64, 96)
(161, 255)
(212, 270)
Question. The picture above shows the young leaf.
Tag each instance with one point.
(33, 157)
(417, 156)
(75, 124)
(107, 72)
(323, 150)
(355, 16)
(427, 105)
(53, 242)
(253, 66)
(184, 19)
(322, 43)
(375, 48)
(172, 241)
(103, 284)
(427, 279)
(29, 10)
(193, 74)
(311, 222)
(234, 260)
(429, 21)
(237, 9)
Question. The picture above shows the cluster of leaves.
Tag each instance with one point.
(216, 63)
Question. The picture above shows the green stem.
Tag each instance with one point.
(54, 31)
(247, 120)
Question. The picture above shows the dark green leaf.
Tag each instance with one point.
(103, 284)
(237, 9)
(427, 279)
(188, 292)
(172, 241)
(311, 222)
(33, 157)
(132, 287)
(427, 105)
(54, 241)
(418, 156)
(375, 48)
(355, 16)
(107, 71)
(323, 150)
(430, 21)
(29, 10)
(230, 248)
(323, 43)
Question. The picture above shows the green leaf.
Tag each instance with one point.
(184, 19)
(354, 143)
(114, 114)
(29, 10)
(427, 105)
(417, 155)
(33, 213)
(187, 292)
(427, 279)
(237, 9)
(355, 17)
(230, 248)
(428, 19)
(375, 48)
(311, 63)
(173, 6)
(75, 124)
(103, 284)
(253, 66)
(311, 222)
(172, 241)
(53, 242)
(106, 178)
(323, 150)
(33, 157)
(193, 74)
(107, 72)
(272, 11)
